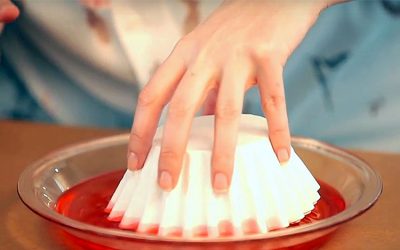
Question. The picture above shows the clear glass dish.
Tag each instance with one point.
(42, 183)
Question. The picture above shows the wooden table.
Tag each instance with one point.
(22, 143)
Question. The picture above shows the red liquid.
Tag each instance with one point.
(86, 202)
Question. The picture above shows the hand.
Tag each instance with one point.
(8, 11)
(242, 44)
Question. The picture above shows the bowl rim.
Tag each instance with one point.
(27, 194)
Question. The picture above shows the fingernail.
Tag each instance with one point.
(220, 182)
(132, 161)
(283, 155)
(165, 180)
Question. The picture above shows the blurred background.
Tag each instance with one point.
(83, 63)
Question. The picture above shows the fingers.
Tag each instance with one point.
(95, 4)
(210, 102)
(183, 106)
(151, 101)
(228, 112)
(270, 80)
(8, 11)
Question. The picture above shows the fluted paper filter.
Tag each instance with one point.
(263, 195)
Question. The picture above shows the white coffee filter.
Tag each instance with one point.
(264, 195)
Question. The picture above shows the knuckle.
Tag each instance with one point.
(278, 131)
(178, 108)
(223, 162)
(273, 103)
(136, 136)
(227, 111)
(185, 44)
(268, 54)
(169, 155)
(263, 53)
(222, 158)
(240, 50)
(279, 136)
(136, 139)
(146, 97)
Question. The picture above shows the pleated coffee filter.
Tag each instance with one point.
(263, 195)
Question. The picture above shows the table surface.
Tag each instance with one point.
(21, 143)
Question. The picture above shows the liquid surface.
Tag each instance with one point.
(86, 201)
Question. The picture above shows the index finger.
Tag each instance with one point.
(151, 101)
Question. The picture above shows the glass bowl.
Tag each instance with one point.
(42, 183)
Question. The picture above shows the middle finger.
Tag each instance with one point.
(184, 104)
(227, 116)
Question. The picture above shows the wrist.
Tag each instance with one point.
(329, 3)
(318, 6)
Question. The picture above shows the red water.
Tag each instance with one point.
(86, 202)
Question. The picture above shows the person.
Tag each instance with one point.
(331, 68)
